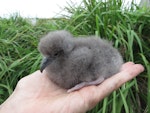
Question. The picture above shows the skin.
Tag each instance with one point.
(36, 94)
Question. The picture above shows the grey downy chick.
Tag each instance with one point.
(73, 63)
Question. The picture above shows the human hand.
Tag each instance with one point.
(37, 94)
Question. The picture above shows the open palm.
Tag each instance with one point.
(37, 94)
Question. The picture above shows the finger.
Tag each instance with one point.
(117, 80)
(126, 65)
(129, 71)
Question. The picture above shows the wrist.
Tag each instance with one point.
(11, 105)
(8, 107)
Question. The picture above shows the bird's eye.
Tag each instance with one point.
(56, 54)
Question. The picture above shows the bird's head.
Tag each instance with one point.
(55, 46)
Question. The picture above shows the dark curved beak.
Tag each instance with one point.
(45, 63)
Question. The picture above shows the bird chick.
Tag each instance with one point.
(73, 63)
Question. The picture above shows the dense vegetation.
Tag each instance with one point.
(128, 28)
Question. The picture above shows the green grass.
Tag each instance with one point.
(128, 29)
